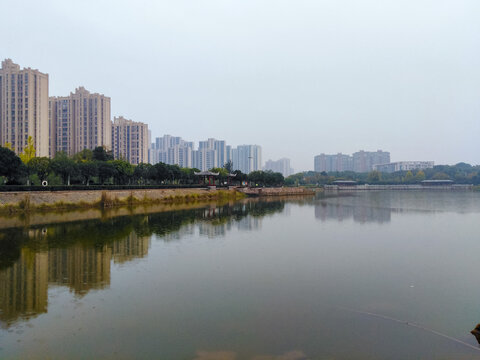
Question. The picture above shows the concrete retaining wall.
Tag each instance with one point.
(276, 191)
(37, 198)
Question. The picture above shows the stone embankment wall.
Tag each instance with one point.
(107, 197)
(284, 191)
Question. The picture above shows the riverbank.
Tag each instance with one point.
(59, 216)
(283, 191)
(20, 202)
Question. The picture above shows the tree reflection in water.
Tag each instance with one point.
(78, 254)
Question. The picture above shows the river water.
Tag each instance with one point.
(367, 275)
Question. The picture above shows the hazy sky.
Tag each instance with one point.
(298, 77)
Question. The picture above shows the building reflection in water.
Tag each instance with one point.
(79, 254)
(24, 286)
(79, 268)
(130, 248)
(357, 207)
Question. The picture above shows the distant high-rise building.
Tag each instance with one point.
(80, 121)
(229, 153)
(247, 158)
(211, 153)
(167, 141)
(172, 150)
(180, 155)
(205, 159)
(221, 149)
(150, 148)
(282, 166)
(333, 163)
(130, 140)
(361, 161)
(23, 108)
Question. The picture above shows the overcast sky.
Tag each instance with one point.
(298, 77)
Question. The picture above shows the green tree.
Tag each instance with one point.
(123, 172)
(106, 171)
(11, 167)
(142, 173)
(87, 170)
(101, 154)
(266, 178)
(255, 178)
(419, 176)
(63, 166)
(40, 166)
(374, 176)
(278, 179)
(408, 177)
(228, 166)
(440, 176)
(164, 173)
(240, 176)
(84, 155)
(174, 173)
(187, 175)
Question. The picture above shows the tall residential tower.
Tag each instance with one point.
(247, 158)
(23, 108)
(130, 140)
(80, 121)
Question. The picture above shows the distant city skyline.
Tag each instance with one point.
(282, 166)
(299, 78)
(82, 120)
(360, 161)
(211, 153)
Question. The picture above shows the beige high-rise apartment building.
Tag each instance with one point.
(130, 140)
(23, 108)
(80, 121)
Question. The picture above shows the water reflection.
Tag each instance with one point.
(349, 206)
(79, 255)
(23, 286)
(231, 355)
(378, 207)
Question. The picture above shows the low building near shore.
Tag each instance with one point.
(403, 166)
(437, 183)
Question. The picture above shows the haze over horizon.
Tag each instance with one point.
(299, 78)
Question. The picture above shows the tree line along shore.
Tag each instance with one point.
(97, 167)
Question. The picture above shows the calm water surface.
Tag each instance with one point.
(369, 275)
